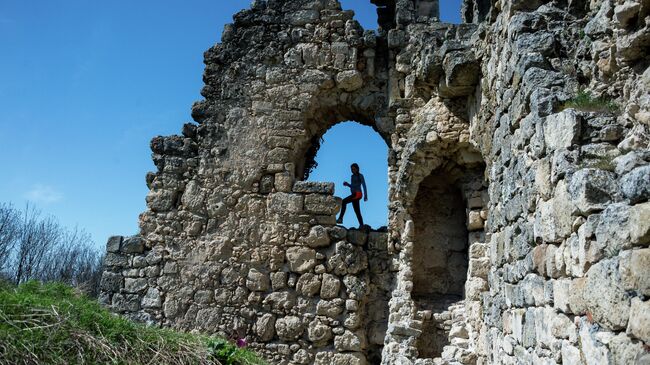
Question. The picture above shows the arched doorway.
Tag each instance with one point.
(448, 212)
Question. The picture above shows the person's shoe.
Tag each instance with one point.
(339, 221)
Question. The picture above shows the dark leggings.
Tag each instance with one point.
(354, 198)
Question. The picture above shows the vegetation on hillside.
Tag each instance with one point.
(37, 247)
(54, 324)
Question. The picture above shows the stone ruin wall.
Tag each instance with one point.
(518, 232)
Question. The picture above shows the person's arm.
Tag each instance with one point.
(365, 189)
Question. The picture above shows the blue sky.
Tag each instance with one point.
(85, 85)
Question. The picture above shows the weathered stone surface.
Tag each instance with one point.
(639, 324)
(562, 130)
(257, 281)
(349, 80)
(319, 333)
(285, 203)
(605, 297)
(514, 184)
(318, 237)
(289, 328)
(330, 287)
(348, 341)
(114, 244)
(553, 219)
(635, 185)
(309, 187)
(152, 300)
(301, 259)
(592, 189)
(308, 284)
(265, 327)
(640, 224)
(321, 204)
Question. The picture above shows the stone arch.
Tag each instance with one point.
(365, 109)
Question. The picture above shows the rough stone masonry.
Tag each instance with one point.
(518, 229)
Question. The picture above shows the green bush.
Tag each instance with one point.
(584, 101)
(53, 324)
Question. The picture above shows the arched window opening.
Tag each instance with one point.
(336, 150)
(445, 201)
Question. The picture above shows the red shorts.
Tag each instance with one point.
(357, 195)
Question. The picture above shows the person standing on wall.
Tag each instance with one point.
(356, 182)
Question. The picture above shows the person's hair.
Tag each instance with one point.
(357, 166)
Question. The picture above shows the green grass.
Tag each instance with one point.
(584, 101)
(52, 324)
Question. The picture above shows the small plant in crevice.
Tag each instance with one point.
(585, 101)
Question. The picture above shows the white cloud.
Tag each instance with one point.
(40, 193)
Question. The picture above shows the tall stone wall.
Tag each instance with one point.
(518, 227)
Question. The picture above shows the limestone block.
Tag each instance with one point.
(625, 12)
(193, 197)
(289, 328)
(357, 288)
(347, 259)
(317, 237)
(302, 357)
(203, 296)
(284, 203)
(625, 351)
(570, 354)
(474, 221)
(561, 295)
(639, 323)
(161, 200)
(563, 327)
(539, 259)
(553, 217)
(111, 282)
(349, 80)
(313, 187)
(357, 237)
(349, 341)
(640, 224)
(322, 204)
(635, 185)
(629, 161)
(330, 308)
(479, 268)
(605, 296)
(126, 302)
(634, 268)
(135, 285)
(301, 259)
(474, 287)
(283, 181)
(319, 333)
(257, 281)
(592, 189)
(302, 17)
(308, 284)
(562, 130)
(152, 300)
(592, 350)
(280, 301)
(265, 327)
(278, 280)
(114, 244)
(330, 286)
